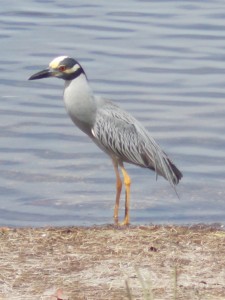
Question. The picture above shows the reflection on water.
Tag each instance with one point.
(157, 62)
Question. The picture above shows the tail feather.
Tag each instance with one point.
(163, 166)
(168, 170)
(177, 173)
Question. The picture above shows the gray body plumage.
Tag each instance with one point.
(114, 130)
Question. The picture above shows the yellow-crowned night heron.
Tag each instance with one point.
(112, 129)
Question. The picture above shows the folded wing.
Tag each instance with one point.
(122, 136)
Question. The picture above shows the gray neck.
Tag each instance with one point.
(80, 103)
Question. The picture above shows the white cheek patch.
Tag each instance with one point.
(73, 69)
(56, 61)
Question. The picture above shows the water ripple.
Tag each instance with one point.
(162, 61)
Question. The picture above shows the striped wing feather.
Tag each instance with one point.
(121, 135)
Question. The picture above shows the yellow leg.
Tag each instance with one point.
(127, 182)
(118, 191)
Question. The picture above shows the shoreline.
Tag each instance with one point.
(111, 262)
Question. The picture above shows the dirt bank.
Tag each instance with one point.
(107, 262)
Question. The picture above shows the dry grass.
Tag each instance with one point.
(107, 262)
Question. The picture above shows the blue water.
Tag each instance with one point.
(163, 61)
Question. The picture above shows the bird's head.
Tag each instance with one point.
(63, 67)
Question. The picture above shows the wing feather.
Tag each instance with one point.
(121, 135)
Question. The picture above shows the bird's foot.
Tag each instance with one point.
(116, 220)
(125, 222)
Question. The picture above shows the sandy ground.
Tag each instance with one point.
(108, 262)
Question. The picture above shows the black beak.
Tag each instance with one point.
(42, 74)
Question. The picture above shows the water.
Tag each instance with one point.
(163, 61)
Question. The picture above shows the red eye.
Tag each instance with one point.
(62, 68)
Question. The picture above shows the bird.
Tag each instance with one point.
(115, 131)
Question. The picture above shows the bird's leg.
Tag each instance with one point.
(127, 182)
(118, 191)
